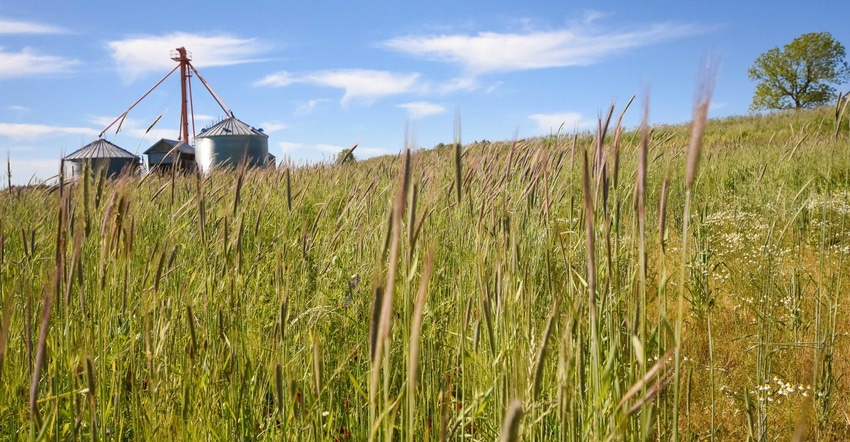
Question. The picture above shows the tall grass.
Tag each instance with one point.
(489, 291)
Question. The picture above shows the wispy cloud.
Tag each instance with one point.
(306, 108)
(278, 79)
(20, 131)
(25, 27)
(576, 45)
(359, 84)
(29, 62)
(421, 109)
(374, 151)
(717, 105)
(324, 152)
(566, 121)
(30, 171)
(288, 147)
(362, 152)
(139, 131)
(148, 53)
(272, 126)
(330, 148)
(203, 117)
(465, 84)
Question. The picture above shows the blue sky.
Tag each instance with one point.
(324, 75)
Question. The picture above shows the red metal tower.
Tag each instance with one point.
(183, 57)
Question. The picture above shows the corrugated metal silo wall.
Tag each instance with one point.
(116, 166)
(73, 168)
(111, 166)
(229, 150)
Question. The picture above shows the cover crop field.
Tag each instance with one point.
(680, 282)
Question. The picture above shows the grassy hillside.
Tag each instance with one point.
(445, 294)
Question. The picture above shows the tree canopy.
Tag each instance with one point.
(801, 74)
(346, 156)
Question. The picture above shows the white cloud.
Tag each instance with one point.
(17, 108)
(278, 79)
(361, 84)
(421, 109)
(30, 170)
(330, 148)
(287, 147)
(20, 131)
(312, 153)
(103, 121)
(562, 122)
(143, 54)
(365, 84)
(717, 105)
(28, 62)
(372, 151)
(145, 140)
(504, 52)
(492, 87)
(306, 108)
(272, 126)
(138, 131)
(202, 117)
(360, 152)
(24, 27)
(466, 84)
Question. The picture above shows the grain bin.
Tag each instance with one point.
(101, 155)
(227, 142)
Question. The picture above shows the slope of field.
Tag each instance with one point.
(442, 294)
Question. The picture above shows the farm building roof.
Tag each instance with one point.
(165, 145)
(99, 148)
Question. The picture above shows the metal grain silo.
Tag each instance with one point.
(101, 155)
(227, 142)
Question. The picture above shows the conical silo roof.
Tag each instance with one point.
(99, 148)
(229, 126)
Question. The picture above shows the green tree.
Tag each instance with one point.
(801, 74)
(346, 156)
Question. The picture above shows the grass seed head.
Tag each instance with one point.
(702, 101)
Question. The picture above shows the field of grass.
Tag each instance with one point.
(604, 286)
